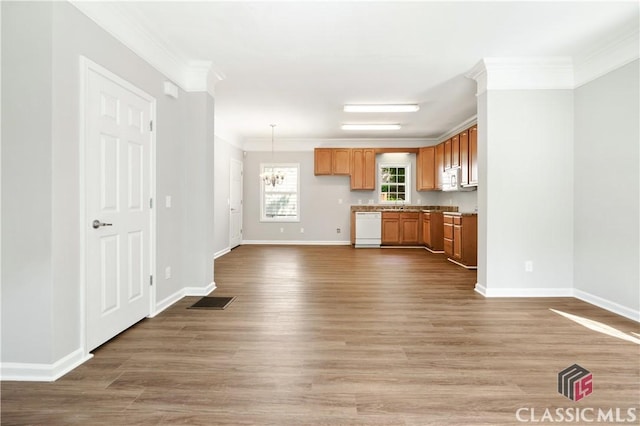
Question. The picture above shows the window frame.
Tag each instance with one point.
(280, 219)
(407, 182)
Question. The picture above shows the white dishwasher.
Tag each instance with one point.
(368, 229)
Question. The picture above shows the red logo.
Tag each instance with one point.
(575, 382)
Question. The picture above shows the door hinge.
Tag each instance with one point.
(151, 125)
(150, 203)
(150, 279)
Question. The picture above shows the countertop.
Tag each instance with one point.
(406, 208)
(461, 213)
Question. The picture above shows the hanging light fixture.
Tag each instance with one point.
(276, 177)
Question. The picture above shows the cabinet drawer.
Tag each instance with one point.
(448, 231)
(457, 220)
(448, 219)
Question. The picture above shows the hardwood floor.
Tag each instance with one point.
(340, 336)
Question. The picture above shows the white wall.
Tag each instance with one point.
(607, 187)
(27, 267)
(41, 304)
(527, 152)
(321, 211)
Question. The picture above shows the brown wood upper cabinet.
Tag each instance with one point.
(464, 157)
(426, 169)
(363, 169)
(332, 161)
(455, 151)
(473, 155)
(439, 165)
(447, 154)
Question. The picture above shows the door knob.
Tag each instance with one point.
(97, 224)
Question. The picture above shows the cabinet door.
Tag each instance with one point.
(410, 228)
(341, 161)
(323, 161)
(457, 242)
(473, 155)
(390, 229)
(369, 179)
(426, 230)
(363, 169)
(447, 154)
(357, 169)
(464, 158)
(439, 168)
(426, 174)
(447, 229)
(455, 151)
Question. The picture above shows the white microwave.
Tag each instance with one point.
(451, 180)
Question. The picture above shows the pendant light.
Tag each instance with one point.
(276, 177)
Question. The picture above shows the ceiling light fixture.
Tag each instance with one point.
(382, 108)
(370, 127)
(275, 177)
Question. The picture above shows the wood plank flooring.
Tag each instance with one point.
(339, 336)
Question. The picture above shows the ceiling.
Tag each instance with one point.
(295, 64)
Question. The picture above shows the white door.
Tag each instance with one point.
(118, 182)
(235, 204)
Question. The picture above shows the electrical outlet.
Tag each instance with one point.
(339, 200)
(338, 230)
(167, 273)
(528, 266)
(302, 230)
(167, 201)
(281, 229)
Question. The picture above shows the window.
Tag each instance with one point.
(394, 183)
(281, 203)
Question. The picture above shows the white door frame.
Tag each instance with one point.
(87, 66)
(241, 195)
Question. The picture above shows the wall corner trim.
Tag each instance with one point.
(31, 372)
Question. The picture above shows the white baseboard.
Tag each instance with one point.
(200, 291)
(186, 291)
(296, 243)
(221, 253)
(524, 292)
(598, 301)
(608, 305)
(28, 372)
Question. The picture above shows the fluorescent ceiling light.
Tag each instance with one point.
(370, 126)
(381, 108)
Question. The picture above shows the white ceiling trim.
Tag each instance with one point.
(613, 55)
(294, 144)
(523, 73)
(193, 76)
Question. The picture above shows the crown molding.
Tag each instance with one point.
(613, 54)
(299, 144)
(459, 128)
(191, 76)
(523, 73)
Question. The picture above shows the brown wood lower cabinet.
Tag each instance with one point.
(461, 239)
(401, 228)
(432, 231)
